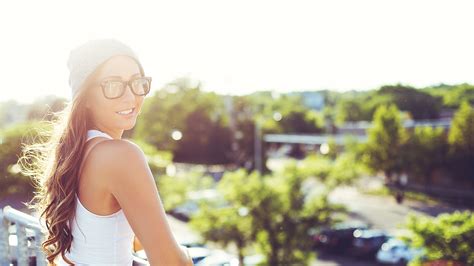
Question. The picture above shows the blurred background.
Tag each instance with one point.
(278, 132)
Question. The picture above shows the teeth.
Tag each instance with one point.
(125, 112)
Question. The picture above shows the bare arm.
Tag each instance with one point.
(132, 184)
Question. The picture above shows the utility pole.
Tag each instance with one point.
(258, 146)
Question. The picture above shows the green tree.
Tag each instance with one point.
(204, 140)
(301, 121)
(426, 151)
(419, 104)
(11, 141)
(461, 136)
(316, 166)
(198, 116)
(453, 95)
(461, 141)
(280, 214)
(345, 170)
(333, 172)
(350, 110)
(385, 143)
(447, 237)
(224, 225)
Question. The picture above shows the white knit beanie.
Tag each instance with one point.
(84, 59)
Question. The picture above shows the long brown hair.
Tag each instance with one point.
(53, 165)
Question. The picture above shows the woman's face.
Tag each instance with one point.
(104, 111)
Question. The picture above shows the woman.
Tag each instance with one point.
(95, 189)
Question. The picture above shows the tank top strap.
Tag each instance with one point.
(92, 133)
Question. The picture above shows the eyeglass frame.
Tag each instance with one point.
(125, 83)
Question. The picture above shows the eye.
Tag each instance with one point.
(141, 85)
(112, 88)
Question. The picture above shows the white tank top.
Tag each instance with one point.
(99, 239)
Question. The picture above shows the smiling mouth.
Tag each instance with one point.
(126, 112)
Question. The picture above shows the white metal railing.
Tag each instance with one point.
(22, 222)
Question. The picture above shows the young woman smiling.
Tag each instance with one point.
(96, 192)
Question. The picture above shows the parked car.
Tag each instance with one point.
(185, 210)
(395, 251)
(338, 238)
(367, 242)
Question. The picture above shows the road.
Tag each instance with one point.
(383, 212)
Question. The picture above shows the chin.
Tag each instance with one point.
(127, 126)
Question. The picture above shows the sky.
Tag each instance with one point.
(238, 47)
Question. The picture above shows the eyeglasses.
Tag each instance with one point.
(115, 88)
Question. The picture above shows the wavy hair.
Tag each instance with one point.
(53, 165)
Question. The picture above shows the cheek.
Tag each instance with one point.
(102, 108)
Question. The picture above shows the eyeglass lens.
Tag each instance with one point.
(115, 88)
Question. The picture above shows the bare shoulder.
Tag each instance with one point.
(115, 155)
(116, 149)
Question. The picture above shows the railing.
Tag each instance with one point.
(23, 222)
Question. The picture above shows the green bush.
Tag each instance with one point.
(447, 237)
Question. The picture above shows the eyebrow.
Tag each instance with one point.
(136, 74)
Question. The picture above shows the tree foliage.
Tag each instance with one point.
(278, 218)
(385, 141)
(426, 151)
(419, 104)
(447, 237)
(198, 116)
(461, 141)
(11, 141)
